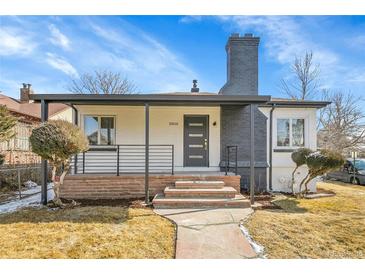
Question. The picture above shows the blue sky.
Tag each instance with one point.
(164, 53)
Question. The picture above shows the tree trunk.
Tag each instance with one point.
(312, 177)
(57, 184)
(56, 188)
(306, 184)
(302, 183)
(54, 170)
(293, 180)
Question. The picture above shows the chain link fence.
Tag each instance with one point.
(13, 181)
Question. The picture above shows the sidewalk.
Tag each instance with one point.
(210, 233)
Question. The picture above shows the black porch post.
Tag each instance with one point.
(76, 123)
(44, 168)
(147, 144)
(252, 154)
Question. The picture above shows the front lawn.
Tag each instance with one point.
(86, 232)
(331, 227)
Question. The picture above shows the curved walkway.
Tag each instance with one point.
(210, 233)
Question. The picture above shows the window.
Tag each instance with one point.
(100, 130)
(290, 132)
(283, 129)
(297, 132)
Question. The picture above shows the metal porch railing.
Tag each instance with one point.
(124, 159)
(231, 151)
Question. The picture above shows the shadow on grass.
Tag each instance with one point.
(289, 205)
(91, 214)
(112, 211)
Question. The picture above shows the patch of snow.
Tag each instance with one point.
(259, 249)
(33, 200)
(30, 184)
(30, 191)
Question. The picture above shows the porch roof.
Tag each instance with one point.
(152, 99)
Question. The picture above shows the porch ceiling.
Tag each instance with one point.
(152, 99)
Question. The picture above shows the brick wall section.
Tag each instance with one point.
(242, 66)
(128, 186)
(235, 130)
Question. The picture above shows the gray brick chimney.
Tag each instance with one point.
(242, 65)
(25, 91)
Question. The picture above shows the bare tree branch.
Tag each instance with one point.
(102, 82)
(305, 82)
(340, 123)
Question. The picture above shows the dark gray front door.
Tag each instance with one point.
(196, 141)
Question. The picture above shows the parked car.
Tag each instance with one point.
(346, 172)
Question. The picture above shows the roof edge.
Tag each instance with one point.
(298, 103)
(140, 98)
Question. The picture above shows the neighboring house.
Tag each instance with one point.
(18, 150)
(188, 136)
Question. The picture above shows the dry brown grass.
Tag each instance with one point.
(331, 227)
(86, 232)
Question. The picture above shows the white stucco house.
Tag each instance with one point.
(141, 144)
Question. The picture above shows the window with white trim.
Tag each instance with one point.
(290, 132)
(100, 130)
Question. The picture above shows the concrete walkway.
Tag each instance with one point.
(210, 233)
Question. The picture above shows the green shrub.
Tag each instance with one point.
(57, 141)
(7, 124)
(319, 163)
(299, 156)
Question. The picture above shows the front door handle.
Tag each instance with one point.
(205, 144)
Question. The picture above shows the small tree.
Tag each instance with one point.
(299, 158)
(57, 141)
(319, 163)
(102, 82)
(341, 123)
(7, 124)
(304, 84)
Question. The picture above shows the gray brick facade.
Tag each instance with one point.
(242, 79)
(235, 130)
(242, 65)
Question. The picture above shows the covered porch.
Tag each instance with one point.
(153, 153)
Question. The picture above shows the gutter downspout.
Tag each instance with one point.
(75, 114)
(75, 121)
(270, 146)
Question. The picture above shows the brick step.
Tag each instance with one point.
(91, 177)
(92, 180)
(239, 201)
(224, 192)
(199, 184)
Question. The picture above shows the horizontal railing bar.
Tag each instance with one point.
(126, 151)
(130, 145)
(124, 158)
(131, 165)
(94, 164)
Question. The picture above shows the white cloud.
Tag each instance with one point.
(58, 38)
(356, 76)
(285, 37)
(357, 42)
(190, 19)
(61, 64)
(13, 42)
(144, 58)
